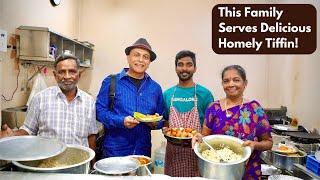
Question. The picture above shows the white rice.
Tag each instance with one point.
(225, 154)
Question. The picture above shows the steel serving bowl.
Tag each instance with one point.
(147, 163)
(222, 170)
(286, 161)
(117, 166)
(180, 141)
(74, 160)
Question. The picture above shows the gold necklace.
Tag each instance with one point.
(227, 112)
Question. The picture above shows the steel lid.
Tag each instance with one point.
(282, 177)
(27, 148)
(304, 135)
(282, 127)
(116, 165)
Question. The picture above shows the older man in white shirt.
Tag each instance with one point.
(64, 112)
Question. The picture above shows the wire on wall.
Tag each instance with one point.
(15, 90)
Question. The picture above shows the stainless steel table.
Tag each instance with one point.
(304, 173)
(12, 175)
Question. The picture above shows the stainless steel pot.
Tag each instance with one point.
(234, 170)
(308, 148)
(14, 117)
(75, 160)
(286, 161)
(267, 170)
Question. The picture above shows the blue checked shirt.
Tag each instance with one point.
(51, 115)
(148, 99)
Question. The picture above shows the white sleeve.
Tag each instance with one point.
(92, 118)
(31, 123)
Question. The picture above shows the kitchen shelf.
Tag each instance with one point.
(43, 45)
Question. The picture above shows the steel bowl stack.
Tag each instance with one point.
(222, 170)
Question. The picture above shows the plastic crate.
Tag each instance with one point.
(313, 164)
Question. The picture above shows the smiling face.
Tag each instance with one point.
(233, 84)
(138, 60)
(67, 75)
(185, 68)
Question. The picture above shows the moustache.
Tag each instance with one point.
(184, 72)
(67, 82)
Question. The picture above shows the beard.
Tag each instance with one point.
(66, 87)
(185, 76)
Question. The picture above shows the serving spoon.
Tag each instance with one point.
(148, 171)
(211, 148)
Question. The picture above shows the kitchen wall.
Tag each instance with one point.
(0, 88)
(170, 26)
(293, 81)
(1, 59)
(14, 13)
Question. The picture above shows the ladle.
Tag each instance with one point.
(148, 171)
(212, 149)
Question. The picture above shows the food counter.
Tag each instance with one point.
(304, 173)
(12, 175)
(298, 170)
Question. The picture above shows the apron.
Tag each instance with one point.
(181, 161)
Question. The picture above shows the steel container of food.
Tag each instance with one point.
(145, 162)
(286, 161)
(222, 170)
(117, 166)
(75, 160)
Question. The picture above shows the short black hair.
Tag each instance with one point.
(186, 53)
(63, 57)
(238, 68)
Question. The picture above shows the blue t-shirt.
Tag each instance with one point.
(184, 99)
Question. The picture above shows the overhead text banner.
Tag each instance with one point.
(264, 29)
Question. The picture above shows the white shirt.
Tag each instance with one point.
(51, 115)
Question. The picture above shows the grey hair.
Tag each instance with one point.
(63, 57)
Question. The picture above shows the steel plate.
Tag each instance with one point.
(150, 120)
(282, 177)
(291, 149)
(116, 165)
(144, 118)
(303, 135)
(282, 127)
(27, 148)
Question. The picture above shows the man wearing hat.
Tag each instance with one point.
(135, 91)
